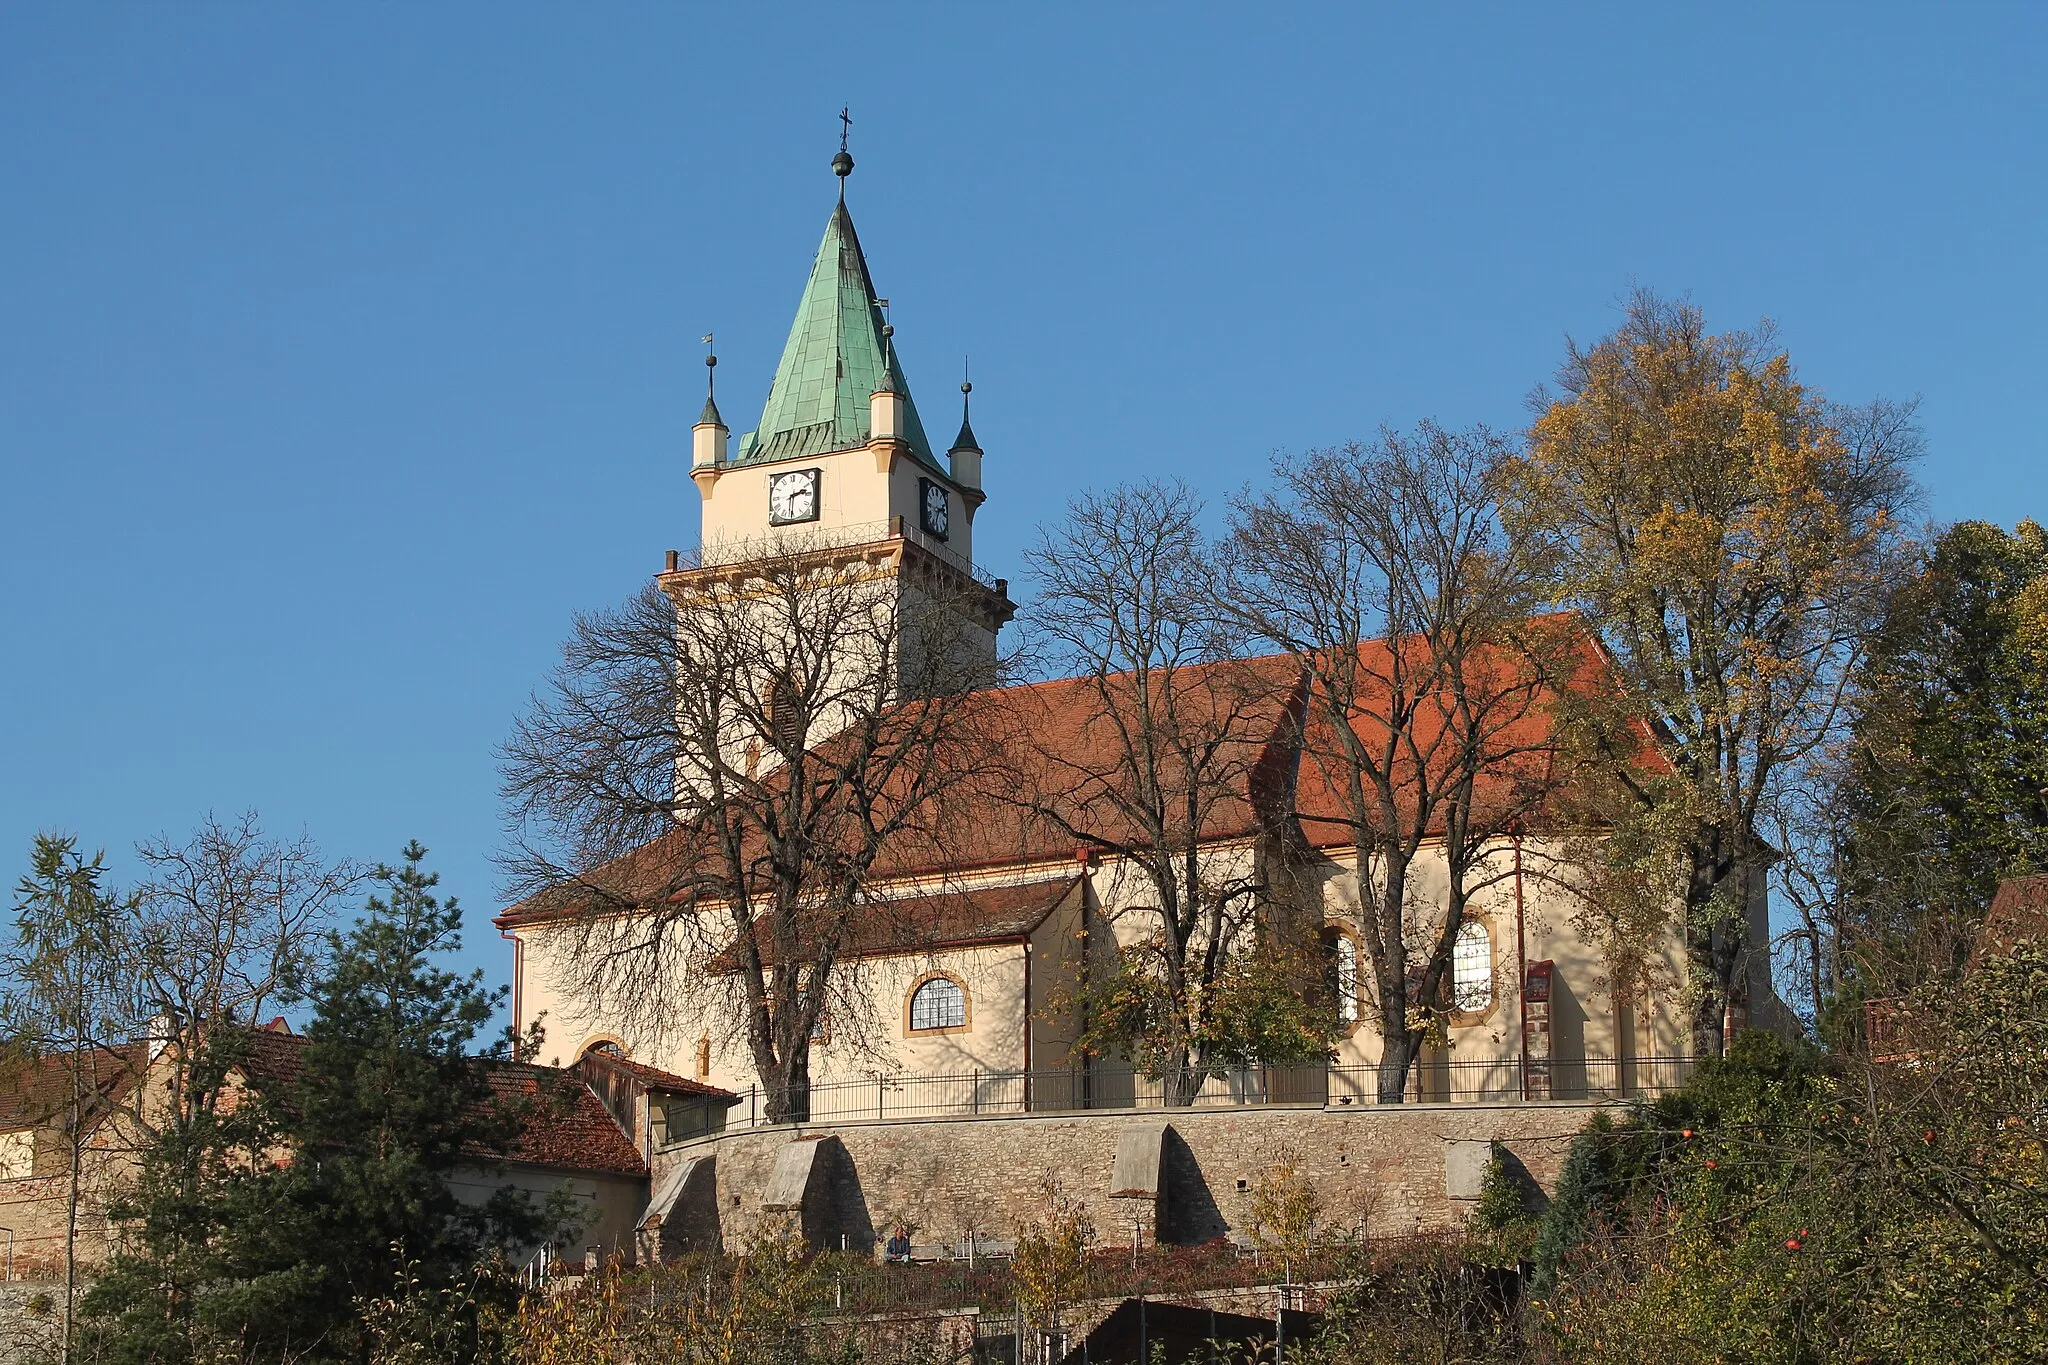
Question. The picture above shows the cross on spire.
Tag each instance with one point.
(842, 165)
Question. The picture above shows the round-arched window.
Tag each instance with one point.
(938, 1003)
(1472, 968)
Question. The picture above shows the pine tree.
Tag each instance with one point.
(265, 1228)
(390, 1103)
(65, 996)
(177, 1290)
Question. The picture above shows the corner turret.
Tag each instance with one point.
(966, 451)
(707, 438)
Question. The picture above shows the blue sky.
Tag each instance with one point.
(346, 351)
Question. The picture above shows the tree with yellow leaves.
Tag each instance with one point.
(1727, 533)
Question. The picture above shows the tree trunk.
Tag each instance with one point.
(75, 1135)
(1397, 1057)
(1707, 948)
(787, 1096)
(1184, 1079)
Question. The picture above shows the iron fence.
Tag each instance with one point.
(805, 539)
(879, 1099)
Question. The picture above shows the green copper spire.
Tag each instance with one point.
(710, 413)
(836, 358)
(965, 440)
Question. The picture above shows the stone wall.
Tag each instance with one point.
(1380, 1168)
(32, 1321)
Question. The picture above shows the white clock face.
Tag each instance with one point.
(936, 512)
(793, 497)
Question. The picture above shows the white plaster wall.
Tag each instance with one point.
(1588, 1022)
(609, 1205)
(866, 1028)
(855, 487)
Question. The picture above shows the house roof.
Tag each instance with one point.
(1517, 728)
(1049, 781)
(2019, 912)
(836, 358)
(567, 1126)
(36, 1089)
(653, 1078)
(937, 919)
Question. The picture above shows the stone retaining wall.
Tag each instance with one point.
(32, 1321)
(1387, 1169)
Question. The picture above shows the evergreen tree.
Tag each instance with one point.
(389, 1104)
(265, 1227)
(177, 1291)
(66, 999)
(1948, 789)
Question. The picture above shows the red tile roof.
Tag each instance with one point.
(1049, 770)
(567, 1126)
(652, 1078)
(939, 919)
(36, 1089)
(2019, 912)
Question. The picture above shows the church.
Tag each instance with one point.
(954, 1003)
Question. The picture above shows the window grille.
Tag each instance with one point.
(938, 1003)
(1472, 968)
(785, 713)
(1344, 965)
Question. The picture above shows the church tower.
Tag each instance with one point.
(840, 473)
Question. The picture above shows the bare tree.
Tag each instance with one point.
(1385, 571)
(703, 796)
(1153, 760)
(121, 991)
(226, 926)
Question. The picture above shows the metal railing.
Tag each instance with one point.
(879, 1099)
(803, 539)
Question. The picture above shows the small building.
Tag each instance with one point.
(589, 1130)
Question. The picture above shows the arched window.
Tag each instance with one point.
(938, 1004)
(605, 1047)
(1344, 976)
(1472, 968)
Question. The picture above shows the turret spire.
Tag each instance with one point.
(710, 413)
(838, 356)
(965, 440)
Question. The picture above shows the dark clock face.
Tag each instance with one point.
(793, 497)
(938, 513)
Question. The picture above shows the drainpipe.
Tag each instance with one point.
(1027, 1011)
(7, 1276)
(1521, 965)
